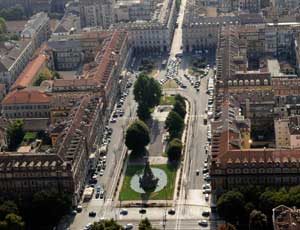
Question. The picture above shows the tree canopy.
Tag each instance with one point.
(226, 226)
(145, 225)
(9, 217)
(13, 13)
(137, 136)
(257, 220)
(2, 26)
(174, 124)
(174, 150)
(106, 225)
(233, 201)
(147, 93)
(15, 134)
(53, 203)
(179, 108)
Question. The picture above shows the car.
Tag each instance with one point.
(101, 173)
(205, 170)
(205, 165)
(124, 211)
(115, 115)
(128, 226)
(97, 195)
(88, 226)
(203, 223)
(171, 211)
(197, 172)
(113, 120)
(98, 188)
(206, 213)
(73, 212)
(198, 89)
(206, 186)
(92, 214)
(206, 197)
(207, 178)
(142, 211)
(207, 191)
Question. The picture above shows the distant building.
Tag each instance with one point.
(154, 35)
(15, 55)
(37, 29)
(97, 13)
(26, 104)
(285, 218)
(287, 132)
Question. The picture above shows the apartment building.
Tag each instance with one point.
(13, 59)
(25, 104)
(101, 74)
(97, 13)
(16, 55)
(267, 98)
(65, 166)
(133, 10)
(200, 30)
(287, 132)
(155, 35)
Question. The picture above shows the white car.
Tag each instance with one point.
(203, 223)
(101, 173)
(206, 197)
(128, 226)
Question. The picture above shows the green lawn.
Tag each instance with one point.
(167, 100)
(167, 193)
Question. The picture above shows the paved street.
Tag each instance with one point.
(191, 202)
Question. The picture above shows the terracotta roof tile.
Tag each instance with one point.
(26, 97)
(31, 70)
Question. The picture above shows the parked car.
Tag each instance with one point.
(203, 223)
(92, 214)
(171, 211)
(124, 211)
(205, 213)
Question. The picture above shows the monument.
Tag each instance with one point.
(148, 181)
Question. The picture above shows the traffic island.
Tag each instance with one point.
(131, 190)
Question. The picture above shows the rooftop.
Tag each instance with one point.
(26, 96)
(30, 71)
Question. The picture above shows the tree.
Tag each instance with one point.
(233, 201)
(174, 124)
(257, 220)
(14, 222)
(143, 112)
(137, 136)
(3, 225)
(8, 207)
(15, 134)
(2, 26)
(179, 98)
(180, 109)
(12, 13)
(226, 226)
(145, 225)
(106, 225)
(147, 93)
(53, 203)
(174, 150)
